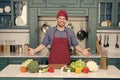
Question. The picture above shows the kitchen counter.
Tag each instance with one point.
(13, 71)
(110, 55)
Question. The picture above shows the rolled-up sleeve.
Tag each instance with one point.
(73, 42)
(48, 38)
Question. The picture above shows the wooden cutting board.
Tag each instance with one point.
(56, 66)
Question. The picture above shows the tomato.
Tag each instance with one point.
(86, 70)
(51, 69)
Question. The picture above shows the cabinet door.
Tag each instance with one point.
(89, 3)
(92, 21)
(63, 3)
(16, 60)
(106, 12)
(37, 3)
(109, 14)
(33, 28)
(117, 17)
(5, 13)
(3, 63)
(20, 13)
(53, 11)
(13, 13)
(118, 63)
(112, 61)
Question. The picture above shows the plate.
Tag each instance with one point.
(7, 9)
(104, 23)
(20, 21)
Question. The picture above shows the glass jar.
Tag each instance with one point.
(104, 61)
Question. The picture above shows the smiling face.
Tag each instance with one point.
(61, 21)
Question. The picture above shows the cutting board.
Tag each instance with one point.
(56, 66)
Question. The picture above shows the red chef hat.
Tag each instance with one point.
(62, 12)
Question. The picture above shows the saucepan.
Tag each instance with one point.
(70, 26)
(45, 27)
(82, 34)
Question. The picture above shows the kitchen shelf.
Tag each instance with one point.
(13, 14)
(109, 10)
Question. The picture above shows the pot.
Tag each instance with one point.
(70, 26)
(81, 34)
(45, 27)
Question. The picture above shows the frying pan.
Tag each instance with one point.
(81, 34)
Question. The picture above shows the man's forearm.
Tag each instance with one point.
(39, 48)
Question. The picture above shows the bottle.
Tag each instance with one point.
(5, 47)
(26, 46)
(13, 46)
(104, 61)
(8, 46)
(20, 50)
(2, 47)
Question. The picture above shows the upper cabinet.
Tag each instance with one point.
(5, 13)
(37, 3)
(109, 14)
(13, 14)
(63, 3)
(89, 3)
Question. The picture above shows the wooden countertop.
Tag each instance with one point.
(14, 71)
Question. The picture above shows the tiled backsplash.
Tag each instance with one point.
(20, 36)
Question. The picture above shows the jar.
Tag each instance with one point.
(104, 61)
(26, 47)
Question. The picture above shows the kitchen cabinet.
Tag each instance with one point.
(53, 11)
(63, 3)
(16, 60)
(3, 63)
(33, 28)
(109, 14)
(118, 63)
(112, 61)
(89, 3)
(13, 14)
(5, 13)
(37, 3)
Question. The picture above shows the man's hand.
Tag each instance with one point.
(31, 51)
(86, 52)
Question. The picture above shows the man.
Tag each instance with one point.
(60, 39)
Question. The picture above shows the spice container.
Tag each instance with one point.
(104, 61)
(26, 47)
(2, 47)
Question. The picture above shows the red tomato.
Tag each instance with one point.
(86, 70)
(51, 69)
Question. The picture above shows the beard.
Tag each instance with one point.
(61, 24)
